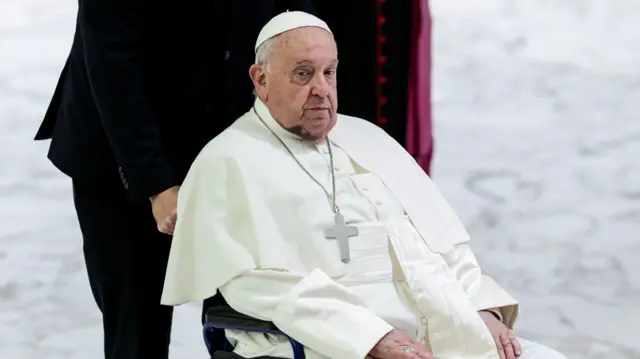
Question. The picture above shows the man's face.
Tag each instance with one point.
(299, 87)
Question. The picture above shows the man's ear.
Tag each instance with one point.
(259, 79)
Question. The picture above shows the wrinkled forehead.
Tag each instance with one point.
(308, 43)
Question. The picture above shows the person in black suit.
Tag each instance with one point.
(146, 85)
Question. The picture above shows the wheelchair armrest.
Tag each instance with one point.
(225, 317)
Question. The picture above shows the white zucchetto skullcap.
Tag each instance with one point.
(287, 21)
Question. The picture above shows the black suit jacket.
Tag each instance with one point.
(148, 83)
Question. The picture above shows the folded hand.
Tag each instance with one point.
(507, 344)
(398, 345)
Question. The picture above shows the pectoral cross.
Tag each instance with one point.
(341, 232)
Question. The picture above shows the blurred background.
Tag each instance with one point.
(536, 110)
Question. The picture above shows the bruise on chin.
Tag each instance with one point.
(296, 130)
(301, 132)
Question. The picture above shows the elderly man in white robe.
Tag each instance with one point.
(324, 225)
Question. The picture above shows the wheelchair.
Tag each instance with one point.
(218, 316)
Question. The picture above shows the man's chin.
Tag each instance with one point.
(316, 130)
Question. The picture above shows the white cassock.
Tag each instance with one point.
(251, 223)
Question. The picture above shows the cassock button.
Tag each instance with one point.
(423, 340)
(424, 320)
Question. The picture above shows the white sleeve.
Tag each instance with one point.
(314, 310)
(484, 292)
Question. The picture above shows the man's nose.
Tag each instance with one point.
(320, 86)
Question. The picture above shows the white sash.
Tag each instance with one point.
(455, 330)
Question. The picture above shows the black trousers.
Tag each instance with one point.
(126, 258)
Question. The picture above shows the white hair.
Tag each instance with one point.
(264, 52)
(263, 55)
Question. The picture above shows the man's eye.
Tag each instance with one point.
(303, 73)
(330, 72)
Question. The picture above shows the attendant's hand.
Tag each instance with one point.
(393, 345)
(164, 206)
(508, 345)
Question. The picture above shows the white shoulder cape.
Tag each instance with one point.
(245, 204)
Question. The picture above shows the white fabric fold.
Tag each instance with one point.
(314, 310)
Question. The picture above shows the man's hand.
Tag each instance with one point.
(508, 345)
(164, 206)
(394, 345)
